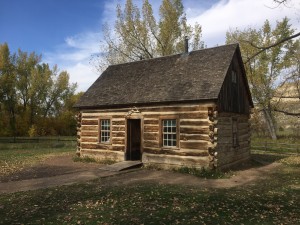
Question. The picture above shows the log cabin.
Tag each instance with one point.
(184, 110)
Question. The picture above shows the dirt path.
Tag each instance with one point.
(57, 171)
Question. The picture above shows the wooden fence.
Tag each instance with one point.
(36, 139)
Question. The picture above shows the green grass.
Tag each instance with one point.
(205, 173)
(16, 156)
(274, 200)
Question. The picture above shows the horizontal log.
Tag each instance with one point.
(148, 143)
(242, 126)
(175, 152)
(181, 115)
(155, 122)
(151, 128)
(89, 133)
(102, 146)
(89, 122)
(103, 154)
(118, 148)
(189, 161)
(194, 129)
(89, 139)
(90, 127)
(175, 109)
(194, 122)
(118, 128)
(150, 136)
(191, 137)
(194, 144)
(118, 141)
(103, 114)
(118, 134)
(95, 146)
(118, 122)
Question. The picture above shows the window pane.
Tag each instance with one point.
(169, 133)
(105, 130)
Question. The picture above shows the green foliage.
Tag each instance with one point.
(204, 172)
(137, 34)
(268, 70)
(276, 200)
(33, 94)
(32, 132)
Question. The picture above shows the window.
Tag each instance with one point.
(233, 77)
(105, 131)
(235, 140)
(169, 132)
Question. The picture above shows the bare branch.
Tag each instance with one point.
(287, 113)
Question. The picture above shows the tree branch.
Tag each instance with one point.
(271, 46)
(287, 113)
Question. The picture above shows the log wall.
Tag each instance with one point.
(229, 155)
(193, 139)
(204, 137)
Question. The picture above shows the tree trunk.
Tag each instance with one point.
(270, 123)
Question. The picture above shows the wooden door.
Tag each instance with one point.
(133, 148)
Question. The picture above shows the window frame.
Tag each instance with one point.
(234, 78)
(161, 132)
(100, 130)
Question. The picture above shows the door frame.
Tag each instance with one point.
(141, 134)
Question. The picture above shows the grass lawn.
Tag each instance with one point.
(275, 200)
(16, 156)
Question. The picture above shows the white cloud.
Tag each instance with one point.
(216, 17)
(241, 14)
(74, 56)
(82, 74)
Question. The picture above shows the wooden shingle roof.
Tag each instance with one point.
(198, 75)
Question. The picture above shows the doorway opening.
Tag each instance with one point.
(133, 148)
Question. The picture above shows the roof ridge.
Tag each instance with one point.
(173, 55)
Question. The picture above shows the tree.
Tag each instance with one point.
(137, 35)
(33, 95)
(8, 95)
(266, 69)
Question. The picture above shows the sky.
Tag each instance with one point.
(68, 32)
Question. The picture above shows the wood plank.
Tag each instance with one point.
(150, 136)
(89, 139)
(150, 144)
(191, 137)
(175, 152)
(118, 141)
(118, 122)
(176, 108)
(118, 128)
(176, 160)
(194, 129)
(89, 127)
(118, 134)
(194, 122)
(151, 128)
(194, 144)
(118, 148)
(89, 133)
(89, 122)
(152, 122)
